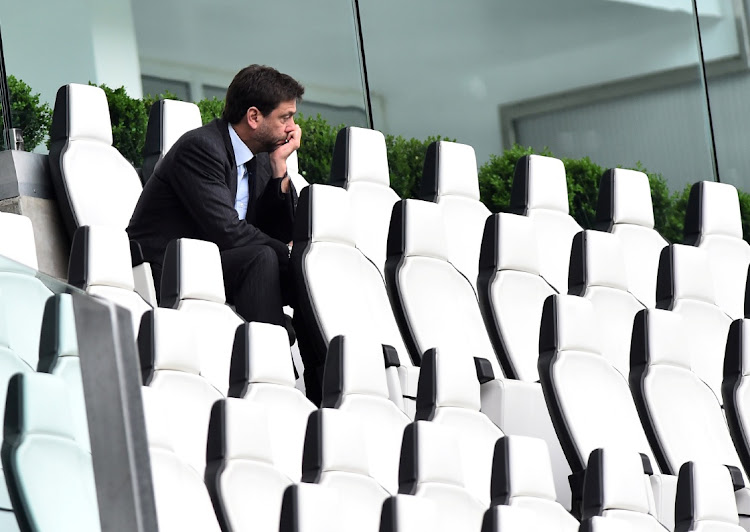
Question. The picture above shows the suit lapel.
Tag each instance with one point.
(231, 177)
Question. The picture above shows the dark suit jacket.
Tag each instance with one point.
(192, 193)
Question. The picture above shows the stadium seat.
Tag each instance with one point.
(713, 222)
(431, 467)
(101, 264)
(540, 192)
(626, 210)
(434, 303)
(407, 513)
(503, 518)
(336, 456)
(182, 502)
(94, 183)
(671, 396)
(589, 399)
(50, 476)
(171, 363)
(450, 179)
(449, 395)
(262, 372)
(685, 286)
(292, 168)
(522, 478)
(735, 388)
(705, 498)
(598, 273)
(437, 308)
(616, 489)
(10, 364)
(58, 355)
(17, 242)
(360, 164)
(341, 291)
(310, 508)
(22, 294)
(192, 282)
(512, 292)
(167, 121)
(245, 485)
(355, 382)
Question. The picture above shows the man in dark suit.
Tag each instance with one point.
(227, 183)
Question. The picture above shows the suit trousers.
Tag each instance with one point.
(257, 281)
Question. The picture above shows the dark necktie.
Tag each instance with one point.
(250, 168)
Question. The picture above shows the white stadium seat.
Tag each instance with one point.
(625, 209)
(540, 191)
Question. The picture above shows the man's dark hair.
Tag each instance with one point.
(259, 86)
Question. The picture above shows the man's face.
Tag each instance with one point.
(275, 127)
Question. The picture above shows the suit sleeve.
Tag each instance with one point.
(200, 183)
(276, 210)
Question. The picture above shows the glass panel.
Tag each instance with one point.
(193, 49)
(154, 86)
(724, 37)
(47, 430)
(613, 80)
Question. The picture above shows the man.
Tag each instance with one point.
(227, 183)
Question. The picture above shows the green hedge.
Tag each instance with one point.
(405, 158)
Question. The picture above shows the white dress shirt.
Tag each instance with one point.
(242, 155)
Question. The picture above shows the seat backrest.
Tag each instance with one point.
(182, 502)
(671, 396)
(503, 518)
(167, 121)
(50, 476)
(626, 210)
(192, 281)
(406, 513)
(597, 272)
(434, 303)
(431, 467)
(22, 294)
(310, 508)
(449, 395)
(512, 292)
(171, 363)
(540, 192)
(100, 263)
(589, 400)
(17, 242)
(292, 168)
(736, 387)
(354, 381)
(94, 183)
(58, 355)
(522, 478)
(262, 372)
(617, 489)
(339, 287)
(713, 222)
(685, 286)
(360, 164)
(705, 499)
(450, 179)
(245, 485)
(336, 456)
(10, 364)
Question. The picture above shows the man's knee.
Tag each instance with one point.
(266, 259)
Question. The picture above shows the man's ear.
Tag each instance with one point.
(253, 117)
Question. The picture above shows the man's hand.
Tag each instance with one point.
(282, 153)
